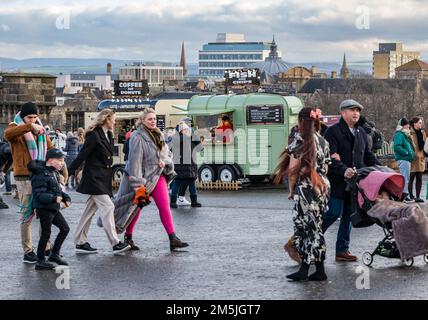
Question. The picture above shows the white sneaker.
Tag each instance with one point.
(182, 201)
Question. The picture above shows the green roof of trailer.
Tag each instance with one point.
(214, 104)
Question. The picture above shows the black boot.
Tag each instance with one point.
(128, 240)
(54, 257)
(302, 274)
(195, 203)
(42, 264)
(319, 274)
(175, 242)
(173, 201)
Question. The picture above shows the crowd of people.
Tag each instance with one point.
(317, 162)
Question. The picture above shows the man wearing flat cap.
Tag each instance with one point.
(350, 151)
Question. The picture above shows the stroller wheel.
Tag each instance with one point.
(408, 262)
(367, 258)
(426, 258)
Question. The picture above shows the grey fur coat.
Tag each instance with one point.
(142, 168)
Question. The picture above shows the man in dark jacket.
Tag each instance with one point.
(48, 199)
(350, 151)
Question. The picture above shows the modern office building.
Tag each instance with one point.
(154, 73)
(230, 51)
(389, 57)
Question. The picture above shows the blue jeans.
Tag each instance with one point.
(180, 185)
(405, 172)
(8, 183)
(339, 208)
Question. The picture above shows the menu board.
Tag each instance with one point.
(160, 119)
(265, 114)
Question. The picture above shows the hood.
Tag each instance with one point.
(36, 166)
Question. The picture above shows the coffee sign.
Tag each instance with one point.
(130, 89)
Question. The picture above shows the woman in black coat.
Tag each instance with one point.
(184, 166)
(97, 155)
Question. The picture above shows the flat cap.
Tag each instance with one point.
(349, 103)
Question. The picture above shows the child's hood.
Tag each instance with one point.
(36, 166)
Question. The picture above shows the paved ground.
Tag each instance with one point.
(235, 252)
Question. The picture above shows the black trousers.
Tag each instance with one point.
(47, 219)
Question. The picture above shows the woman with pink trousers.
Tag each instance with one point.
(149, 164)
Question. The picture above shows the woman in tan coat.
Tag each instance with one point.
(418, 165)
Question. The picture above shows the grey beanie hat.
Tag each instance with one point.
(349, 103)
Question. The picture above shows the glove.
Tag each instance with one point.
(142, 198)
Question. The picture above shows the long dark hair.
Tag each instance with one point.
(414, 121)
(307, 126)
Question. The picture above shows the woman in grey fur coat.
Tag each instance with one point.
(149, 164)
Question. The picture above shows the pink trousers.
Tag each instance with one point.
(161, 197)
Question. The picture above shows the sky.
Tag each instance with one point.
(305, 31)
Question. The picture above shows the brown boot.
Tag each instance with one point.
(175, 242)
(290, 248)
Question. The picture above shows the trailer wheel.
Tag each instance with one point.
(226, 173)
(207, 173)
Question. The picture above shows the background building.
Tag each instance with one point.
(73, 83)
(389, 57)
(19, 88)
(154, 73)
(415, 69)
(230, 51)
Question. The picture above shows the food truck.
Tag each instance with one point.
(261, 125)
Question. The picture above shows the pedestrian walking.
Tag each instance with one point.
(418, 164)
(71, 147)
(28, 141)
(97, 155)
(404, 153)
(48, 199)
(305, 161)
(59, 139)
(349, 145)
(150, 165)
(184, 148)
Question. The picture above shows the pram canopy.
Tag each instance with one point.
(375, 179)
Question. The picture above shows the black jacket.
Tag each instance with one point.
(353, 152)
(97, 153)
(184, 165)
(45, 186)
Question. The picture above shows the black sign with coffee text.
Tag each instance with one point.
(130, 89)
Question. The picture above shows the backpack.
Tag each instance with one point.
(378, 139)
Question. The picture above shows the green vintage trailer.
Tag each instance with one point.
(261, 125)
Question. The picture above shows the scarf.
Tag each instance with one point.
(156, 136)
(409, 138)
(37, 149)
(420, 137)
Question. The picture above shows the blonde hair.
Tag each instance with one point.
(143, 116)
(101, 118)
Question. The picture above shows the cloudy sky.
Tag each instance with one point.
(311, 30)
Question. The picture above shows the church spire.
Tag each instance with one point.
(344, 71)
(183, 59)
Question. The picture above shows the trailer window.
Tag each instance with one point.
(220, 127)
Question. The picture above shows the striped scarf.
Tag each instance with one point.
(37, 149)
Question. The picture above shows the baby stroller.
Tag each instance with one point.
(364, 188)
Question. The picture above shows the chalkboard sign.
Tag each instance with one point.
(160, 122)
(265, 114)
(130, 89)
